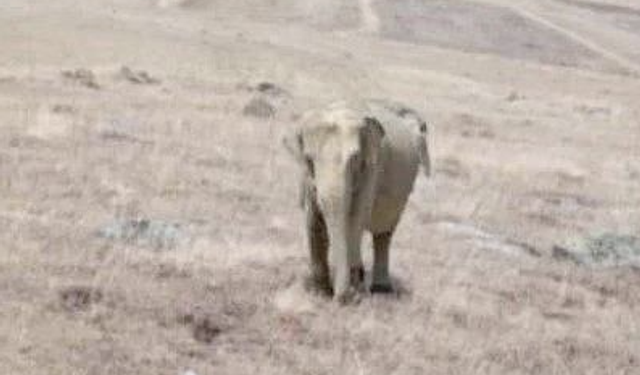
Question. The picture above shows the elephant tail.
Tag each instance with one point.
(302, 195)
(423, 150)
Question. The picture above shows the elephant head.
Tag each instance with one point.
(339, 159)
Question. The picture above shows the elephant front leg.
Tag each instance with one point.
(318, 246)
(356, 266)
(344, 288)
(381, 281)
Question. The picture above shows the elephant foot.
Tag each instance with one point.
(350, 297)
(318, 284)
(381, 288)
(357, 275)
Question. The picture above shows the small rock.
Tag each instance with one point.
(63, 108)
(204, 330)
(121, 129)
(604, 251)
(514, 96)
(84, 77)
(259, 107)
(561, 253)
(144, 232)
(593, 110)
(139, 77)
(271, 89)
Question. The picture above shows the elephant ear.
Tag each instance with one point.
(372, 125)
(423, 149)
(371, 136)
(293, 143)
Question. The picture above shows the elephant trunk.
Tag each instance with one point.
(423, 150)
(344, 234)
(339, 253)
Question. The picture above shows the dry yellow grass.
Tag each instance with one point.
(533, 145)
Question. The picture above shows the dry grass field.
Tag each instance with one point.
(148, 212)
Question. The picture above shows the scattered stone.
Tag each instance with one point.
(268, 99)
(145, 232)
(514, 96)
(478, 133)
(79, 298)
(527, 248)
(602, 251)
(63, 108)
(561, 253)
(121, 130)
(83, 77)
(204, 331)
(139, 77)
(271, 89)
(593, 110)
(259, 107)
(571, 177)
(202, 327)
(112, 135)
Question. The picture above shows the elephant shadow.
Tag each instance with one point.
(401, 289)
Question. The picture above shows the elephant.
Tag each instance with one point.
(358, 162)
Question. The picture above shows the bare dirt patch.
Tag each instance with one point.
(474, 27)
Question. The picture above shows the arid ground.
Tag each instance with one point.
(149, 216)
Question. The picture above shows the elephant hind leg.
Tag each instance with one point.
(318, 239)
(356, 268)
(381, 281)
(357, 276)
